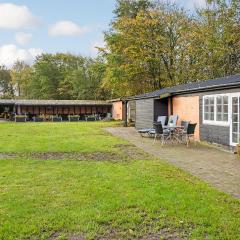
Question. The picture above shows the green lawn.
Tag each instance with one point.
(55, 137)
(128, 198)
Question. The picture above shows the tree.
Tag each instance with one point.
(6, 88)
(46, 77)
(155, 45)
(21, 74)
(67, 76)
(143, 51)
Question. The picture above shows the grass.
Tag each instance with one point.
(55, 137)
(126, 199)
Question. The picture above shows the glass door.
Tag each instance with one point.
(235, 121)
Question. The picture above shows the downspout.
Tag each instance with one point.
(125, 113)
(171, 106)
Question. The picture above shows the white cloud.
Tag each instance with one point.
(10, 53)
(14, 16)
(66, 28)
(23, 38)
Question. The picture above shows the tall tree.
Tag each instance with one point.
(143, 51)
(67, 76)
(6, 87)
(155, 45)
(21, 74)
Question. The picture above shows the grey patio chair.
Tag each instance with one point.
(172, 119)
(159, 132)
(182, 131)
(190, 132)
(185, 125)
(162, 120)
(149, 132)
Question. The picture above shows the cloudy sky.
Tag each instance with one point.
(30, 27)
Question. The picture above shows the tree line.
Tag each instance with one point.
(55, 76)
(149, 45)
(152, 44)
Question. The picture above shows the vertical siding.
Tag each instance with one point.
(132, 112)
(144, 113)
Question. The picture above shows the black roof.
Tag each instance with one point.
(213, 84)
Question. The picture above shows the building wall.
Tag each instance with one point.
(144, 113)
(187, 109)
(131, 110)
(208, 132)
(117, 110)
(213, 133)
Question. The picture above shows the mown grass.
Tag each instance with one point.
(56, 137)
(59, 199)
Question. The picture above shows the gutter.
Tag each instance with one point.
(196, 90)
(205, 89)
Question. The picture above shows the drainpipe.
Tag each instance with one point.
(171, 106)
(125, 113)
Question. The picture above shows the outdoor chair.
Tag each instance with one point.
(182, 131)
(145, 132)
(190, 132)
(149, 132)
(159, 132)
(184, 124)
(162, 120)
(172, 120)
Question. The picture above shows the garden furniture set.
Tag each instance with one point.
(170, 132)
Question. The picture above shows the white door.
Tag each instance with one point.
(235, 118)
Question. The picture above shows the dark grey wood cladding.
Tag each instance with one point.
(144, 113)
(132, 112)
(147, 111)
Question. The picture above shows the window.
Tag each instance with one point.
(215, 109)
(209, 108)
(222, 108)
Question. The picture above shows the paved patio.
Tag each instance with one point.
(220, 169)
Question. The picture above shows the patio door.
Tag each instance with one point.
(235, 120)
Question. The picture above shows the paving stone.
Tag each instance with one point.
(219, 168)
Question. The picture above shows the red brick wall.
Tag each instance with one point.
(187, 109)
(117, 110)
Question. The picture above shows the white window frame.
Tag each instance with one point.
(215, 122)
(235, 94)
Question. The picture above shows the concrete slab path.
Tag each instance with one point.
(220, 169)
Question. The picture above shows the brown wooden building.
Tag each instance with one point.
(56, 107)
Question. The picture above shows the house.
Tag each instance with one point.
(214, 105)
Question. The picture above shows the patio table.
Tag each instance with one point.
(173, 132)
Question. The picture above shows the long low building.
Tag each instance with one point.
(213, 104)
(56, 107)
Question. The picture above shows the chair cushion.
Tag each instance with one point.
(145, 130)
(152, 131)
